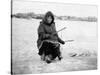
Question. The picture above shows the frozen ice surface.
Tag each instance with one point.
(81, 54)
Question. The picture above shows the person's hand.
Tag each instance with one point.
(51, 36)
(62, 42)
(47, 35)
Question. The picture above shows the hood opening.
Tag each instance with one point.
(49, 13)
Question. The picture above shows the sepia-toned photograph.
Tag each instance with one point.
(50, 37)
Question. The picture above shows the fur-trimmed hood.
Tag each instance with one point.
(44, 20)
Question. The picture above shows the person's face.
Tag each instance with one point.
(49, 19)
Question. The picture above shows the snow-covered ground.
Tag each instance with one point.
(24, 47)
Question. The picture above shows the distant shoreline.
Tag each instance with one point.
(32, 15)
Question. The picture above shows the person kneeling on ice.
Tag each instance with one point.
(48, 37)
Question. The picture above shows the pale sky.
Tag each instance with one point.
(59, 9)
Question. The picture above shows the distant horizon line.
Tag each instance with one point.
(31, 15)
(44, 14)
